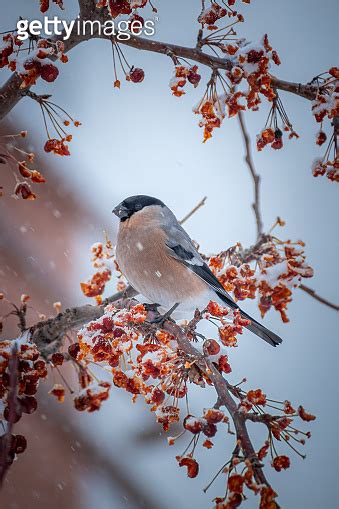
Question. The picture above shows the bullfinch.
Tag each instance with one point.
(159, 260)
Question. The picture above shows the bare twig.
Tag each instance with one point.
(255, 176)
(256, 208)
(317, 297)
(194, 210)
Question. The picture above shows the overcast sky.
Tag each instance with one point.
(142, 140)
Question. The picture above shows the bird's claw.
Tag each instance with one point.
(161, 319)
(151, 307)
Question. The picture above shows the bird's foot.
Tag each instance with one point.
(161, 319)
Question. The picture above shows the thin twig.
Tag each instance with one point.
(255, 176)
(317, 297)
(193, 211)
(257, 211)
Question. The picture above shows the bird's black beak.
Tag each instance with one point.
(121, 211)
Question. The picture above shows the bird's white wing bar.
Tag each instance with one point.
(182, 248)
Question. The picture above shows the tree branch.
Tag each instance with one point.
(224, 398)
(48, 336)
(317, 297)
(11, 91)
(307, 91)
(194, 210)
(257, 212)
(254, 174)
(5, 440)
(87, 8)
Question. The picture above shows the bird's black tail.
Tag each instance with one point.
(255, 327)
(261, 331)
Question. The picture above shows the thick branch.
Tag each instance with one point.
(48, 336)
(224, 398)
(11, 93)
(87, 8)
(308, 91)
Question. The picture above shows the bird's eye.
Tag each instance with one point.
(138, 206)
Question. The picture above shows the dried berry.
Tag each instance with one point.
(49, 72)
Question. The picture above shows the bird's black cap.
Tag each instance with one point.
(134, 204)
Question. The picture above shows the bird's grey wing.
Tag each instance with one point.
(181, 247)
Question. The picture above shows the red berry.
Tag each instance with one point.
(193, 77)
(253, 56)
(73, 350)
(57, 359)
(32, 376)
(213, 415)
(223, 364)
(211, 347)
(137, 75)
(157, 396)
(24, 190)
(209, 430)
(28, 404)
(136, 24)
(277, 144)
(114, 361)
(40, 367)
(15, 416)
(49, 72)
(117, 333)
(321, 138)
(193, 424)
(44, 5)
(107, 324)
(31, 64)
(31, 389)
(20, 444)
